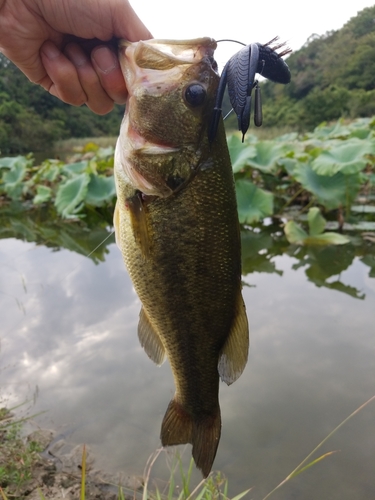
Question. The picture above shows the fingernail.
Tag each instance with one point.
(76, 55)
(105, 59)
(50, 50)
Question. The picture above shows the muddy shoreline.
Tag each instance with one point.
(54, 471)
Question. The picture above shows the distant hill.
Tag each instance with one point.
(31, 119)
(333, 76)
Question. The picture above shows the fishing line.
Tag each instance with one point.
(230, 40)
(100, 244)
(229, 112)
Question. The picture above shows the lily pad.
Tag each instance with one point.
(268, 153)
(70, 195)
(100, 190)
(295, 234)
(239, 153)
(331, 191)
(43, 194)
(349, 157)
(76, 168)
(12, 161)
(253, 203)
(13, 180)
(316, 221)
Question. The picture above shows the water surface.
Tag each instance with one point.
(68, 339)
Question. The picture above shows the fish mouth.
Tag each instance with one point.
(161, 54)
(155, 67)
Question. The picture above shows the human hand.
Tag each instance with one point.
(67, 46)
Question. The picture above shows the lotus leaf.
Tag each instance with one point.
(349, 157)
(295, 234)
(71, 194)
(239, 153)
(253, 203)
(331, 191)
(43, 194)
(100, 190)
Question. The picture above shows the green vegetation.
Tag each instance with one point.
(17, 456)
(331, 168)
(71, 189)
(297, 178)
(214, 487)
(333, 76)
(317, 224)
(32, 120)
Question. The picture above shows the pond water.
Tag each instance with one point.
(69, 341)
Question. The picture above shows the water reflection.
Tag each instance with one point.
(68, 327)
(323, 265)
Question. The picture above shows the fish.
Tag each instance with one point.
(177, 227)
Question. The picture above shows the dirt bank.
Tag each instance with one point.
(45, 465)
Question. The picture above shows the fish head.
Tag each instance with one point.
(171, 91)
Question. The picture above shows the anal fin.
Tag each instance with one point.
(150, 340)
(234, 354)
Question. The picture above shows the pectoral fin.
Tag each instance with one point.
(150, 340)
(137, 210)
(233, 356)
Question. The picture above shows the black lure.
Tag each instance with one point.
(239, 74)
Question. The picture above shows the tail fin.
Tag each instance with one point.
(179, 427)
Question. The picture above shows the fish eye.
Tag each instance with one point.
(195, 94)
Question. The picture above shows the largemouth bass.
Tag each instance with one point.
(177, 227)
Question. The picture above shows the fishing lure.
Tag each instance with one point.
(239, 74)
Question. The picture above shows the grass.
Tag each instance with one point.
(17, 457)
(214, 487)
(76, 144)
(20, 458)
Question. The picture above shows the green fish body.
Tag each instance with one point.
(177, 227)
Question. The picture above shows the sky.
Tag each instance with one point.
(244, 20)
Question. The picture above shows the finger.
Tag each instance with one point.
(107, 67)
(62, 80)
(97, 98)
